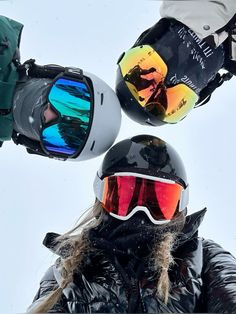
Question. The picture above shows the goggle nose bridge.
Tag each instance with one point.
(140, 209)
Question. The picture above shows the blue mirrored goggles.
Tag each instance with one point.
(72, 99)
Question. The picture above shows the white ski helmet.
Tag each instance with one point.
(87, 110)
(106, 120)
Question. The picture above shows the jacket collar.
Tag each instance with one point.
(189, 231)
(191, 226)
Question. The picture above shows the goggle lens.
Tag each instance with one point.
(73, 101)
(144, 72)
(122, 194)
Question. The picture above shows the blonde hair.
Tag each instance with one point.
(77, 245)
(163, 260)
(162, 255)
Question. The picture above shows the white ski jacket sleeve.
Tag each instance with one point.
(203, 17)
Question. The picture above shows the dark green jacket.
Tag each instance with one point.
(10, 32)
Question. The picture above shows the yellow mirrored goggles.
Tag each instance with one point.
(144, 73)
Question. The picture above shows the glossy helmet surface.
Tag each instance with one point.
(106, 119)
(159, 80)
(146, 155)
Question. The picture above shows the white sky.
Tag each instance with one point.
(40, 195)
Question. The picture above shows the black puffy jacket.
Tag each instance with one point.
(203, 279)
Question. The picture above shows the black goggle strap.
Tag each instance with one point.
(31, 69)
(32, 147)
(52, 71)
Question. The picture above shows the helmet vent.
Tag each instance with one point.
(92, 147)
(102, 97)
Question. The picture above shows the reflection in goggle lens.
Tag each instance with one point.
(144, 72)
(72, 100)
(123, 193)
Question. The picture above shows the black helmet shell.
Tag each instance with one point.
(130, 105)
(189, 61)
(144, 154)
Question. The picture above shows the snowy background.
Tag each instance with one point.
(40, 195)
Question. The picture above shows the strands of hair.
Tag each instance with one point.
(76, 245)
(162, 261)
(48, 302)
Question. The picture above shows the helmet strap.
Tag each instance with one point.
(31, 69)
(32, 146)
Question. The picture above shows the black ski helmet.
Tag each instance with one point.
(163, 76)
(144, 154)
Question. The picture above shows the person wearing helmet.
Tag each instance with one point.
(61, 112)
(174, 65)
(137, 251)
(54, 111)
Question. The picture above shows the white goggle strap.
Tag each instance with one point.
(143, 176)
(184, 199)
(98, 187)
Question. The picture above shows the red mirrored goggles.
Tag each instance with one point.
(122, 195)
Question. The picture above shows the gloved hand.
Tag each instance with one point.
(230, 52)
